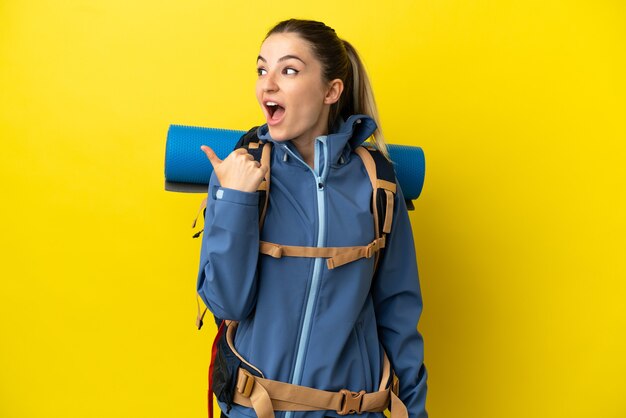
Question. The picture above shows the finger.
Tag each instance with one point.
(250, 157)
(258, 164)
(211, 155)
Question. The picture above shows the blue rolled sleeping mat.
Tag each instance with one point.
(188, 170)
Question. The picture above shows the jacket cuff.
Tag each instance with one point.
(235, 196)
(235, 211)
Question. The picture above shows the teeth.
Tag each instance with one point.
(271, 104)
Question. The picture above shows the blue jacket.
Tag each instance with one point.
(299, 321)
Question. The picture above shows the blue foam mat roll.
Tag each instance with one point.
(187, 168)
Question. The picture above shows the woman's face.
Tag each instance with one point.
(293, 96)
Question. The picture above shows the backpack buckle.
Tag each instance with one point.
(371, 249)
(351, 402)
(245, 383)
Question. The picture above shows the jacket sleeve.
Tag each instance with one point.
(398, 304)
(227, 277)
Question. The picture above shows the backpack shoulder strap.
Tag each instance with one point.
(250, 141)
(386, 189)
(383, 178)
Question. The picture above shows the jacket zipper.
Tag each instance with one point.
(305, 332)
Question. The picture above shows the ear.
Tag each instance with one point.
(333, 93)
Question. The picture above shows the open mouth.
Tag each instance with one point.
(274, 110)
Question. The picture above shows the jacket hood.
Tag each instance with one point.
(346, 136)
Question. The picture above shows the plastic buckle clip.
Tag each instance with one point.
(245, 383)
(371, 249)
(351, 403)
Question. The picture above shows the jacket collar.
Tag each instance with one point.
(346, 136)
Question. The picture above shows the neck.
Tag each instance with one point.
(305, 143)
(306, 149)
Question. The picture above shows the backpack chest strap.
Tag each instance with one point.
(336, 256)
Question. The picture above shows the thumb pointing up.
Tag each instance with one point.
(238, 171)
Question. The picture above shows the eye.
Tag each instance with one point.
(291, 71)
(261, 71)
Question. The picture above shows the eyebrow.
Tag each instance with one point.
(286, 57)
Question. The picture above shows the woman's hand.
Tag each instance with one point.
(238, 171)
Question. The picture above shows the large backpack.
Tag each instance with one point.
(225, 361)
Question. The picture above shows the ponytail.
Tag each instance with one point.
(362, 99)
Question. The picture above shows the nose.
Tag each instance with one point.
(268, 82)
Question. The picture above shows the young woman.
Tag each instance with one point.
(301, 321)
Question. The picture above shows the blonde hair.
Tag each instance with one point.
(363, 96)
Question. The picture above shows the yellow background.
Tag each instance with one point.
(520, 107)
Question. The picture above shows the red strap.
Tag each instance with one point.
(220, 331)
